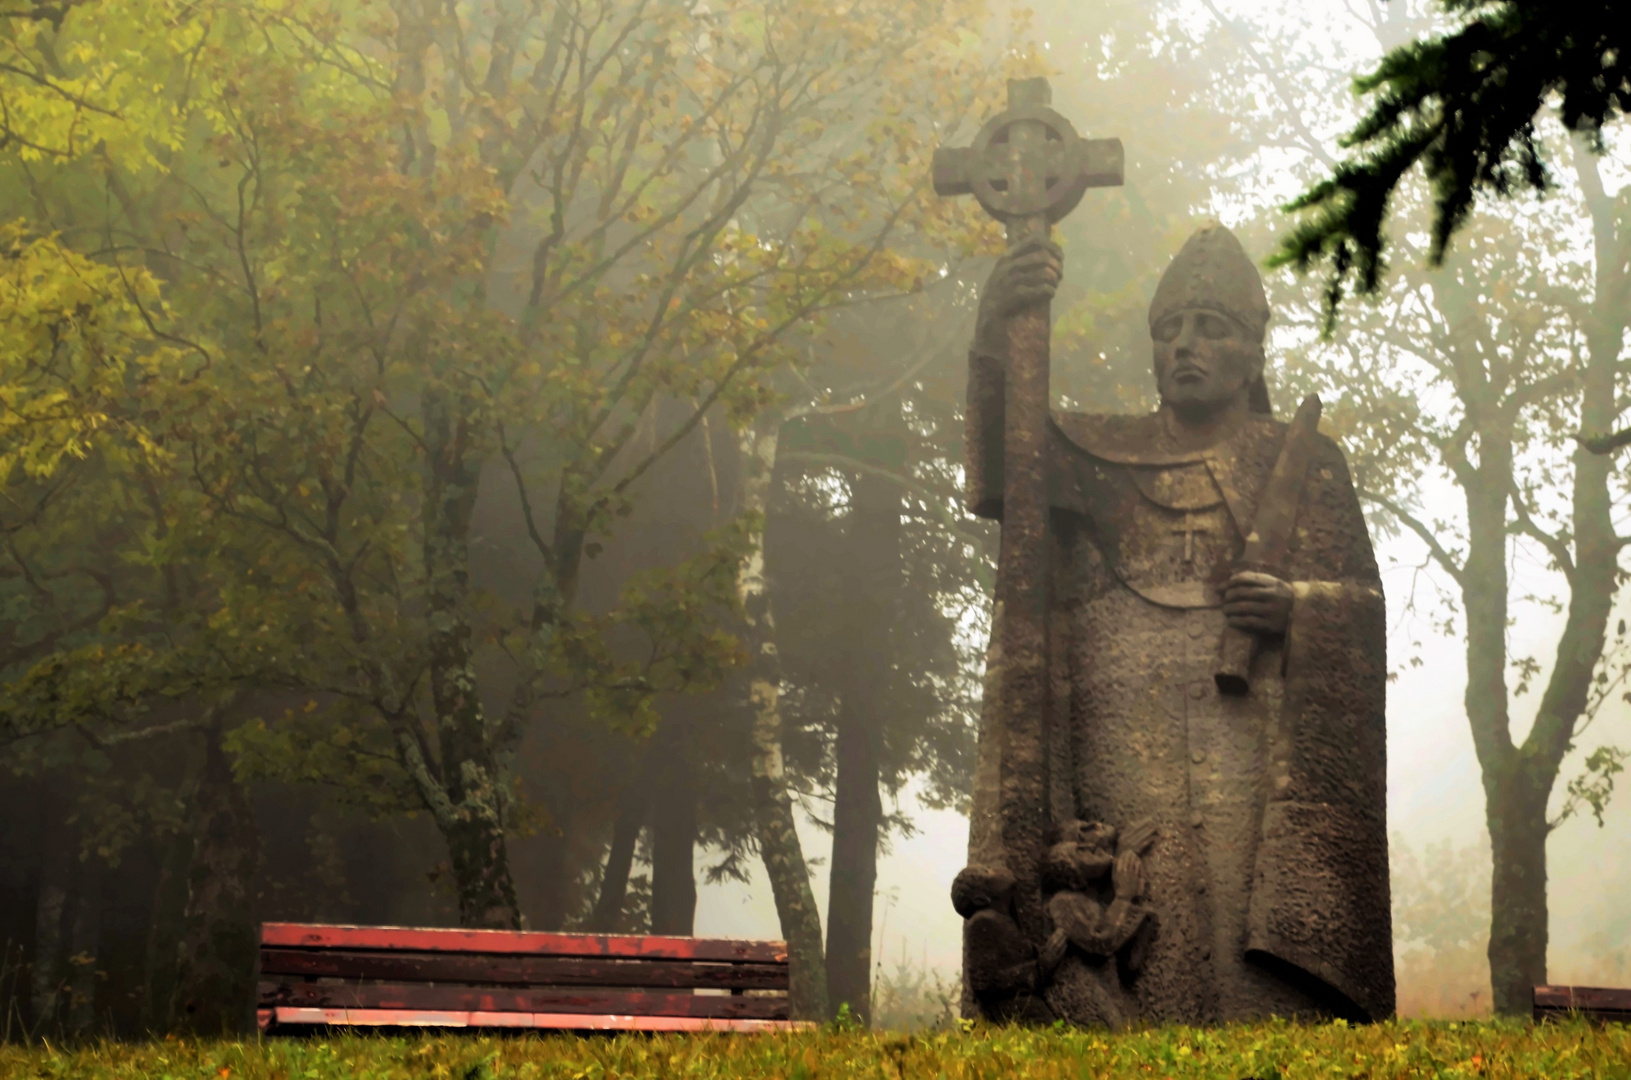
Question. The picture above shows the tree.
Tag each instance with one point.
(1474, 376)
(335, 244)
(1462, 104)
(1518, 337)
(359, 367)
(1528, 355)
(791, 685)
(865, 658)
(874, 572)
(74, 448)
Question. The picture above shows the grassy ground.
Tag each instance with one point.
(1265, 1052)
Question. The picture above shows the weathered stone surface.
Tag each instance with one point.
(1259, 882)
(1027, 168)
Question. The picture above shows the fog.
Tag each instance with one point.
(463, 500)
(1434, 796)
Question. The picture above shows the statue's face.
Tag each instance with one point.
(1204, 360)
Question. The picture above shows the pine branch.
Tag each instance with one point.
(1461, 105)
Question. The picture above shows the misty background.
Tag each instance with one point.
(1282, 116)
(192, 711)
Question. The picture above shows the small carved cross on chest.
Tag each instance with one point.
(1189, 530)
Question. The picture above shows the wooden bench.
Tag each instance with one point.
(1597, 1003)
(383, 976)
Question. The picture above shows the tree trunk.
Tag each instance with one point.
(164, 934)
(552, 861)
(614, 882)
(777, 834)
(857, 812)
(673, 833)
(84, 948)
(1484, 594)
(1518, 912)
(874, 543)
(215, 980)
(783, 855)
(472, 819)
(50, 907)
(481, 873)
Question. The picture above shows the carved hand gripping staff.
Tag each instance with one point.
(1027, 168)
(1270, 538)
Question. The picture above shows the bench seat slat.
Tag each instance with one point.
(521, 970)
(287, 1016)
(518, 942)
(428, 998)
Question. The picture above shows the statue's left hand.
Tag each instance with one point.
(1128, 879)
(1260, 603)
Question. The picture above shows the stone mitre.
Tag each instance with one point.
(1213, 271)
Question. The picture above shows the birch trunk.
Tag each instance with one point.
(471, 818)
(875, 553)
(778, 837)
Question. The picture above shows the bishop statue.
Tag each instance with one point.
(1211, 840)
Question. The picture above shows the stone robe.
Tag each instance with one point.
(1269, 874)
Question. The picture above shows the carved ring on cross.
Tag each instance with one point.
(990, 167)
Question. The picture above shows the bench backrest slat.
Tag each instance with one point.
(1583, 997)
(504, 969)
(519, 943)
(1597, 1003)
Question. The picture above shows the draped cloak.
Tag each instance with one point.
(1269, 874)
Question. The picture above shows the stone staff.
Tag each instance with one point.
(1270, 538)
(1027, 168)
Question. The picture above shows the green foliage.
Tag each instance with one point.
(92, 91)
(1390, 1051)
(1462, 105)
(343, 747)
(349, 294)
(663, 608)
(1594, 787)
(71, 339)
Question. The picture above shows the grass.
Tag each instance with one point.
(1493, 1050)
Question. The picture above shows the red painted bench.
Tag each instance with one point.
(385, 976)
(1599, 1003)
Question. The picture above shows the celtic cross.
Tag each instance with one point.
(1027, 168)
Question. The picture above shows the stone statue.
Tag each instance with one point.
(1218, 846)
